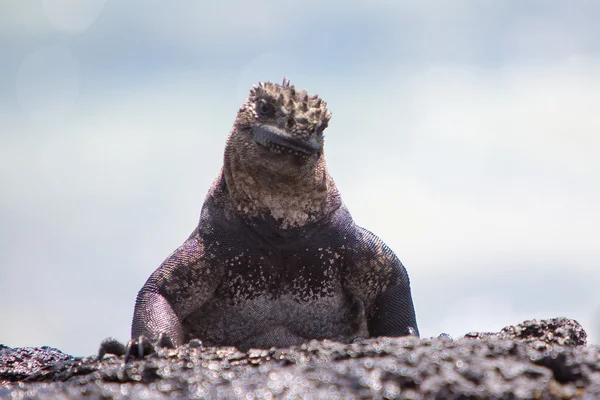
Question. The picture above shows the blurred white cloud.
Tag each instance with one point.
(463, 134)
(73, 15)
(47, 82)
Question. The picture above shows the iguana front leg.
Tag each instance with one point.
(379, 279)
(181, 285)
(154, 315)
(393, 312)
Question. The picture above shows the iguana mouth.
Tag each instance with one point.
(280, 141)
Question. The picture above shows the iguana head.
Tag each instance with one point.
(279, 128)
(274, 164)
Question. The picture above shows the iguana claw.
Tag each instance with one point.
(136, 348)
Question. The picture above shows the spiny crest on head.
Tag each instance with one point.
(292, 102)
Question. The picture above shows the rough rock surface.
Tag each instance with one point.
(545, 359)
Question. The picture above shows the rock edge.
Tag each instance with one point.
(542, 359)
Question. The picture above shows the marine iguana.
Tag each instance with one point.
(276, 258)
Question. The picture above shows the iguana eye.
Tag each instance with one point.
(291, 122)
(264, 108)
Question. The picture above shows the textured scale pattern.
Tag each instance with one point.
(276, 258)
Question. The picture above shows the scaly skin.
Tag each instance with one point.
(276, 258)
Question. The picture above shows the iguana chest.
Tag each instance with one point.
(305, 272)
(280, 295)
(262, 261)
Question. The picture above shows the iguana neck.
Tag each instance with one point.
(291, 200)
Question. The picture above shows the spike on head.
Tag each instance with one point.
(304, 104)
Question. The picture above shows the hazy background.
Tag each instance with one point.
(466, 134)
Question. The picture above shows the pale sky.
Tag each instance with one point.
(465, 134)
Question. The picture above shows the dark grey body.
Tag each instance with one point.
(276, 259)
(246, 282)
